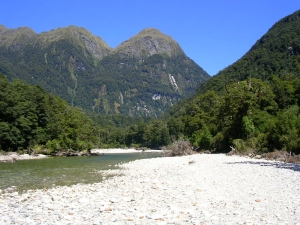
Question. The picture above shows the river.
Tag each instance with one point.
(58, 171)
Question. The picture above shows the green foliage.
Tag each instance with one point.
(288, 129)
(202, 138)
(239, 145)
(153, 134)
(248, 126)
(30, 117)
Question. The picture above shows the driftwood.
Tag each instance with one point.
(232, 152)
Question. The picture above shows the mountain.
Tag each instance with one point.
(144, 75)
(276, 52)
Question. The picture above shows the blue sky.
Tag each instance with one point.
(214, 33)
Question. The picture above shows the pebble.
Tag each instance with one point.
(214, 189)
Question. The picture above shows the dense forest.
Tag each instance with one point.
(32, 118)
(252, 115)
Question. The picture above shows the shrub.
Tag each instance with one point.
(239, 145)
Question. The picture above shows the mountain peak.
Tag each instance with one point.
(148, 42)
(151, 31)
(16, 38)
(79, 35)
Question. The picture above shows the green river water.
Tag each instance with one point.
(57, 171)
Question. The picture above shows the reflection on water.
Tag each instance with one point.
(45, 173)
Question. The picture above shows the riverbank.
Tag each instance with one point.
(196, 189)
(121, 151)
(13, 157)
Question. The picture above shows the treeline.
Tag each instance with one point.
(154, 134)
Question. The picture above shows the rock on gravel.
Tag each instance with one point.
(197, 189)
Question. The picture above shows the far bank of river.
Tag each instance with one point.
(58, 171)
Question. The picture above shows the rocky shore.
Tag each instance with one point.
(13, 157)
(196, 189)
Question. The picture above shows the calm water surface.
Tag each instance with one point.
(56, 171)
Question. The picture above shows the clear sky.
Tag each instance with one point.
(214, 33)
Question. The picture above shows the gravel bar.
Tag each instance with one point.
(196, 189)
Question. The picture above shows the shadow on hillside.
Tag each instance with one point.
(279, 165)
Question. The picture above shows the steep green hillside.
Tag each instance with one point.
(276, 52)
(145, 87)
(143, 76)
(254, 104)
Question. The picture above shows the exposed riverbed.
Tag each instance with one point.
(197, 189)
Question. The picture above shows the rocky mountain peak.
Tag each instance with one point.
(148, 42)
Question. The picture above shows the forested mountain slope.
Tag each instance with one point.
(143, 76)
(277, 52)
(254, 104)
